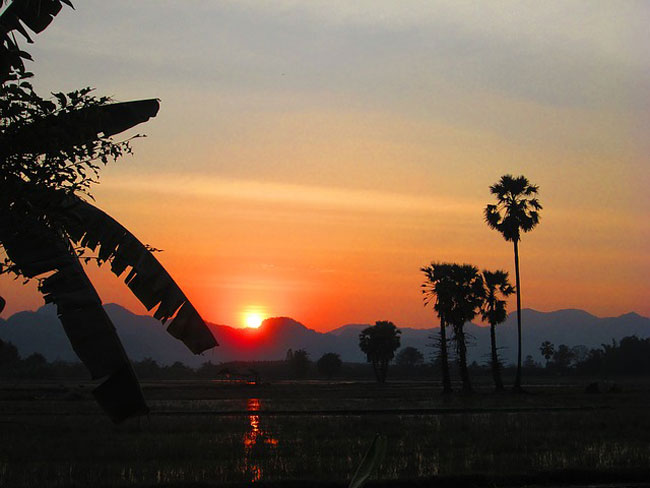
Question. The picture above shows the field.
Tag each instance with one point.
(206, 433)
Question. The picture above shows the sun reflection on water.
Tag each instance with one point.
(255, 440)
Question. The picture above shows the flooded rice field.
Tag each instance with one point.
(54, 435)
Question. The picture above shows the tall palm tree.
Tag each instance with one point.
(467, 286)
(49, 156)
(516, 211)
(493, 310)
(438, 289)
(379, 343)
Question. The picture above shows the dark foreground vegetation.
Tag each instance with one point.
(211, 433)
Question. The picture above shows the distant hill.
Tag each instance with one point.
(144, 336)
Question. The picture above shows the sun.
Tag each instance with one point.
(253, 319)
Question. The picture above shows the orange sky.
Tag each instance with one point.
(308, 160)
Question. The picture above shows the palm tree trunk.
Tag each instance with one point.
(461, 347)
(444, 359)
(517, 385)
(496, 373)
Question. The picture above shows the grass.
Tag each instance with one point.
(203, 434)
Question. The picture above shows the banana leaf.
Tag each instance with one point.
(92, 228)
(60, 131)
(19, 15)
(35, 14)
(35, 249)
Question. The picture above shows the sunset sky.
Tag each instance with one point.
(309, 157)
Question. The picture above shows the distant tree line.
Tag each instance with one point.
(628, 357)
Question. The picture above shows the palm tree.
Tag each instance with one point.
(547, 349)
(49, 156)
(379, 343)
(467, 299)
(493, 310)
(458, 293)
(437, 288)
(516, 211)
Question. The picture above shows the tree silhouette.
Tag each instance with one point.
(467, 288)
(630, 357)
(438, 288)
(493, 310)
(329, 364)
(547, 349)
(298, 361)
(379, 343)
(9, 356)
(50, 152)
(563, 357)
(516, 211)
(409, 358)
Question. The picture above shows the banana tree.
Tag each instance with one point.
(50, 155)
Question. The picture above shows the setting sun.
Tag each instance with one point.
(253, 317)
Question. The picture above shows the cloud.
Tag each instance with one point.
(561, 53)
(310, 196)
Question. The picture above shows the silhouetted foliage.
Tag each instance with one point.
(493, 311)
(468, 298)
(547, 349)
(298, 362)
(530, 364)
(438, 288)
(458, 289)
(563, 358)
(20, 15)
(516, 211)
(379, 344)
(580, 353)
(8, 355)
(329, 364)
(409, 358)
(50, 154)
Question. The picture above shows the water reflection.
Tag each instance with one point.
(256, 441)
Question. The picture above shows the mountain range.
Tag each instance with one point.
(40, 331)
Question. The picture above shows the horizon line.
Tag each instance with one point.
(49, 305)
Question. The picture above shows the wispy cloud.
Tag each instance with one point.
(295, 194)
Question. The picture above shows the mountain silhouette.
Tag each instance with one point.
(143, 336)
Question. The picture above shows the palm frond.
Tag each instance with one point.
(493, 308)
(534, 203)
(492, 216)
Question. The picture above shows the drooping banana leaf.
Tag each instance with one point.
(93, 229)
(35, 249)
(63, 130)
(18, 16)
